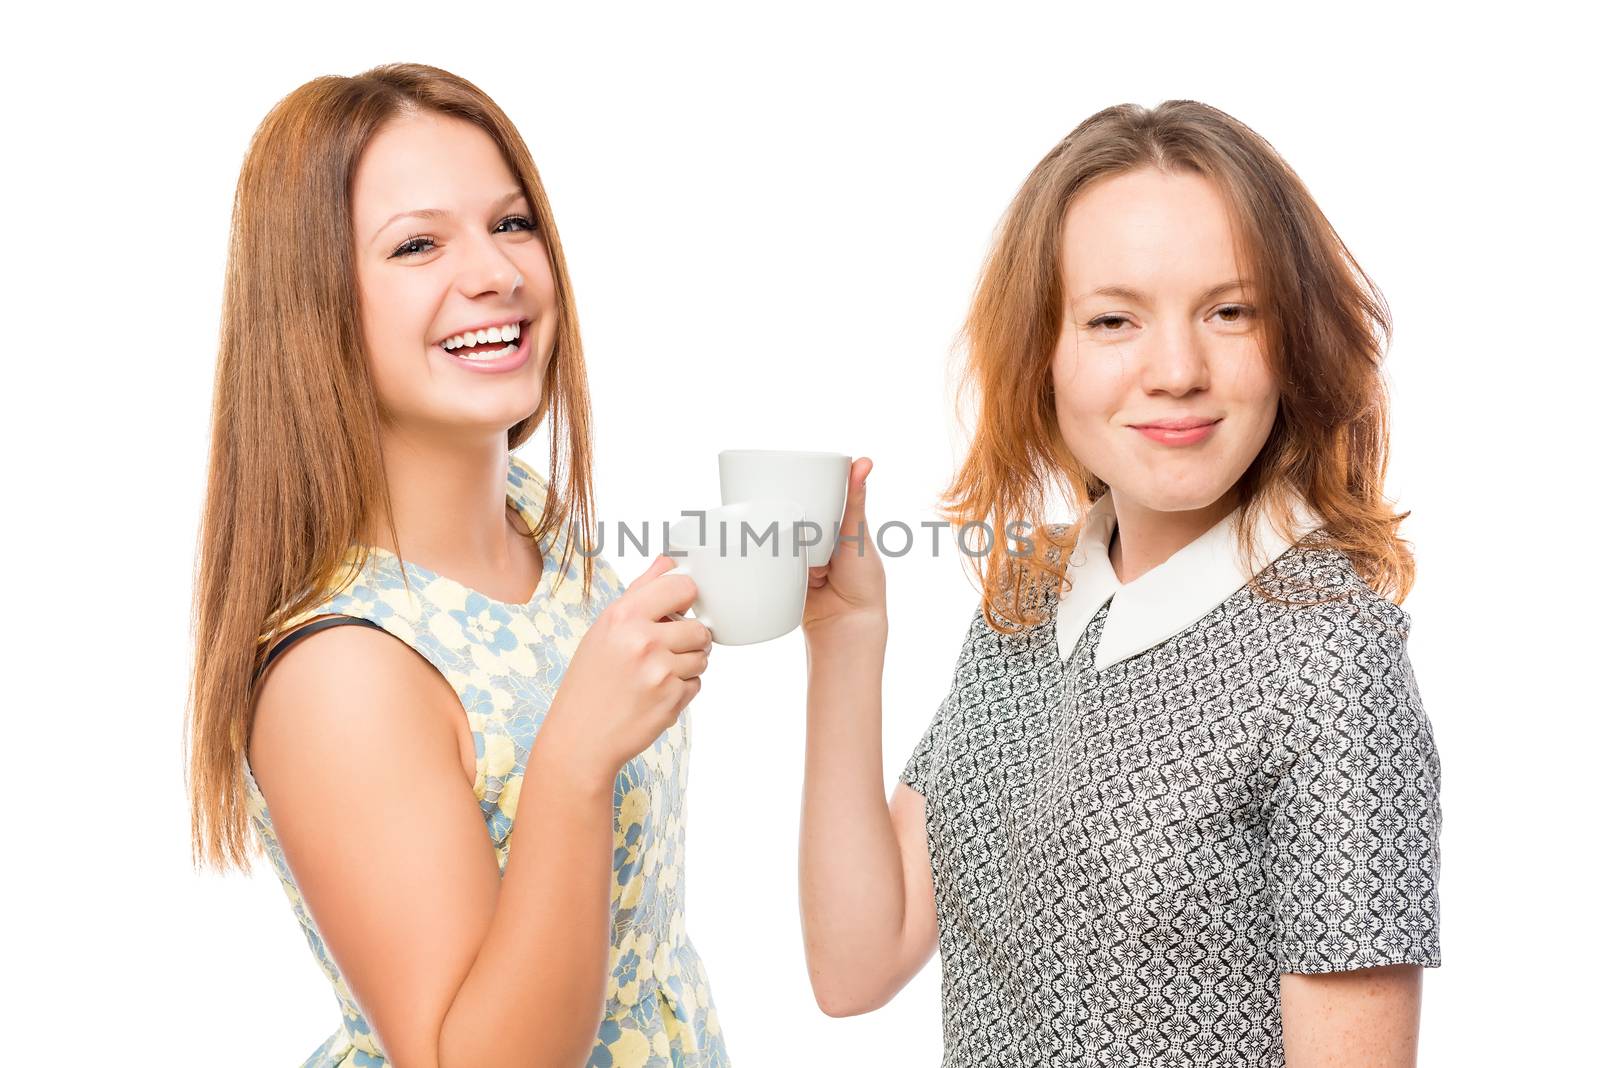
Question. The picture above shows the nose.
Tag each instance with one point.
(1176, 363)
(486, 269)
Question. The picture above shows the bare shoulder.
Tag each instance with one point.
(346, 687)
(361, 772)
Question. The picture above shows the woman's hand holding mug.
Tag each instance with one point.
(847, 594)
(634, 671)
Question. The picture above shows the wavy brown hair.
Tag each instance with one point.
(296, 473)
(1326, 329)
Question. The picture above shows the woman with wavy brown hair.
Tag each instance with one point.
(462, 756)
(1181, 803)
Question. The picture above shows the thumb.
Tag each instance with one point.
(855, 503)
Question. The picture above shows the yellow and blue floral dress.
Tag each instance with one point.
(505, 662)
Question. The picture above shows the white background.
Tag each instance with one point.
(774, 218)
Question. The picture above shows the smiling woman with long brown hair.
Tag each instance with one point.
(461, 752)
(1181, 803)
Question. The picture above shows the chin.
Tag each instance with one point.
(483, 420)
(1175, 496)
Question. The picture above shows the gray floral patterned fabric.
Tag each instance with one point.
(1124, 860)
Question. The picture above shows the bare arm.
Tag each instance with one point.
(1367, 1018)
(866, 888)
(355, 750)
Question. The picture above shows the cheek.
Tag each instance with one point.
(545, 306)
(534, 263)
(1064, 389)
(1088, 384)
(392, 346)
(394, 327)
(1252, 384)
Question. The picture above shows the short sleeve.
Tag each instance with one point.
(918, 768)
(1353, 822)
(918, 773)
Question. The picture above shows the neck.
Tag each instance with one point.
(1146, 538)
(448, 504)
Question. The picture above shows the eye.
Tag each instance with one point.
(414, 245)
(1111, 324)
(411, 246)
(1234, 313)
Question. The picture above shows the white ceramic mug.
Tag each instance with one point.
(818, 481)
(748, 571)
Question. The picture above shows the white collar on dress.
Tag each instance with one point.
(1170, 596)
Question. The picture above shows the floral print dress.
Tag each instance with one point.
(505, 661)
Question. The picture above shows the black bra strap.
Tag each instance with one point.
(310, 628)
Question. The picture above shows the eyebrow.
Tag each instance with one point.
(439, 213)
(1126, 293)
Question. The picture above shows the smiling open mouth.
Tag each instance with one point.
(490, 344)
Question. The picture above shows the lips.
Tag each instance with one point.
(495, 365)
(1188, 423)
(1190, 430)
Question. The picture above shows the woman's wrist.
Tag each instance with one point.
(847, 629)
(561, 757)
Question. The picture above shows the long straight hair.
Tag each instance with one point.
(1326, 328)
(296, 473)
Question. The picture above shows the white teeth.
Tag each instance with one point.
(510, 332)
(495, 355)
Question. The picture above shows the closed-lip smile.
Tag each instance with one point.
(1185, 423)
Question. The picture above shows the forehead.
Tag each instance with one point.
(1148, 229)
(427, 161)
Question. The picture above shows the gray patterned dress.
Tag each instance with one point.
(1126, 856)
